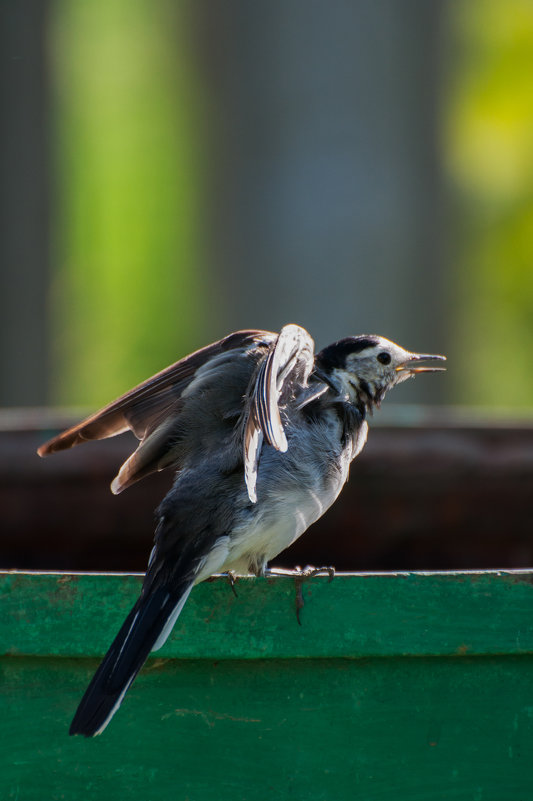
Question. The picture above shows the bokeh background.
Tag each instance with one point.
(172, 171)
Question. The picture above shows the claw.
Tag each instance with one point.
(303, 575)
(232, 579)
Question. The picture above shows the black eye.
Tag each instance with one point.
(384, 357)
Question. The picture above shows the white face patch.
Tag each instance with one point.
(369, 374)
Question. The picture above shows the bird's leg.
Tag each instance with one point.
(303, 575)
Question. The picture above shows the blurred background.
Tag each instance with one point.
(173, 171)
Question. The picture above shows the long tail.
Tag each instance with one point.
(145, 629)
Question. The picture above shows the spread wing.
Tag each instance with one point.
(153, 409)
(281, 379)
(191, 409)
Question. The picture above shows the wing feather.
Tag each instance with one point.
(282, 373)
(179, 414)
(152, 409)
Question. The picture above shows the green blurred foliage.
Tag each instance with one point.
(488, 144)
(127, 252)
(127, 224)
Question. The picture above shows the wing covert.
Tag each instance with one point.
(152, 409)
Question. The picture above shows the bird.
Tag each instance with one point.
(260, 432)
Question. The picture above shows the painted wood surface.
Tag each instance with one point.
(407, 686)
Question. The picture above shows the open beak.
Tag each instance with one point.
(412, 369)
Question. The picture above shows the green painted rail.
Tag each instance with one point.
(397, 686)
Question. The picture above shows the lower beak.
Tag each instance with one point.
(413, 369)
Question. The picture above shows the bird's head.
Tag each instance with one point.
(364, 368)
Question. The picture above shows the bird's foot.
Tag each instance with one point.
(309, 571)
(232, 579)
(300, 575)
(303, 575)
(271, 572)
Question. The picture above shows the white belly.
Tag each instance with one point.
(283, 522)
(293, 492)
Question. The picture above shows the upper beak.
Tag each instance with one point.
(420, 357)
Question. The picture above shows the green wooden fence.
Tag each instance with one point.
(396, 686)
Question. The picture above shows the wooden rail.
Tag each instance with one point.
(407, 686)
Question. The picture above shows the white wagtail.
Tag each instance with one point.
(261, 434)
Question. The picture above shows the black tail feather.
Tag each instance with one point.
(126, 656)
